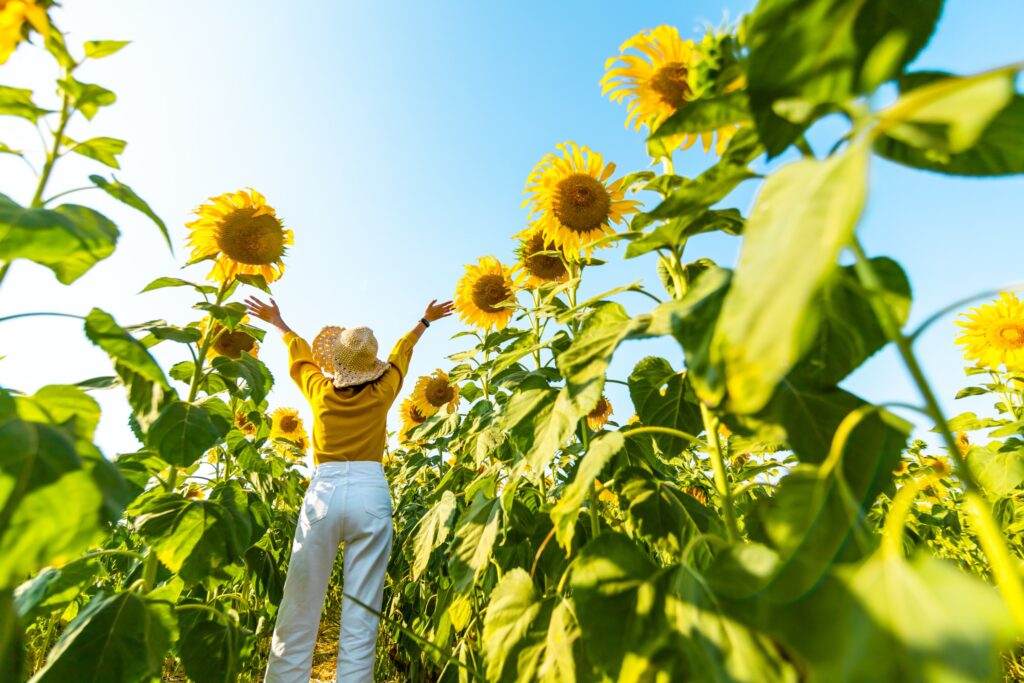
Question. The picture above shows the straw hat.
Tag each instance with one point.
(350, 355)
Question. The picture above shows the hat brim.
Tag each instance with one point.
(347, 378)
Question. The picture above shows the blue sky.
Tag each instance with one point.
(395, 140)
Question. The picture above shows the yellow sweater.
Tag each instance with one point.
(348, 423)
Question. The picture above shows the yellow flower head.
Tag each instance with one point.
(901, 469)
(655, 81)
(572, 203)
(286, 424)
(243, 235)
(939, 465)
(411, 417)
(481, 291)
(993, 334)
(14, 14)
(598, 417)
(229, 343)
(604, 494)
(697, 493)
(633, 419)
(194, 492)
(539, 267)
(243, 424)
(434, 391)
(963, 442)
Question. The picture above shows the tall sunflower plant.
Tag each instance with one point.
(752, 463)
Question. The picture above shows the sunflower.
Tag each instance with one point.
(963, 442)
(901, 469)
(994, 333)
(604, 494)
(242, 234)
(13, 16)
(194, 492)
(539, 268)
(697, 494)
(634, 419)
(243, 424)
(229, 343)
(411, 417)
(434, 391)
(657, 82)
(572, 201)
(286, 424)
(939, 465)
(481, 291)
(598, 417)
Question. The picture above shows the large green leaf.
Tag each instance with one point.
(214, 652)
(197, 537)
(542, 420)
(998, 150)
(823, 51)
(103, 331)
(126, 195)
(252, 371)
(434, 528)
(182, 433)
(120, 638)
(567, 509)
(69, 240)
(662, 397)
(513, 608)
(804, 216)
(18, 102)
(475, 534)
(102, 149)
(998, 468)
(52, 589)
(86, 97)
(705, 114)
(677, 231)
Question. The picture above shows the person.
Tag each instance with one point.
(348, 501)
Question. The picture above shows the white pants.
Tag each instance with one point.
(346, 502)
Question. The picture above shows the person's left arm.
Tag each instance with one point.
(301, 366)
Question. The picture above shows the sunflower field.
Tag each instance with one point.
(745, 519)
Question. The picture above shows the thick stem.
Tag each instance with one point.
(721, 478)
(595, 519)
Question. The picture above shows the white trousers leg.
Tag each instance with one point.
(346, 502)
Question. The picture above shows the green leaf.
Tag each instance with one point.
(513, 607)
(606, 582)
(195, 538)
(68, 240)
(127, 351)
(214, 652)
(705, 114)
(663, 513)
(102, 149)
(804, 216)
(87, 97)
(815, 51)
(12, 653)
(677, 408)
(252, 371)
(162, 282)
(52, 589)
(182, 433)
(120, 638)
(18, 102)
(257, 281)
(126, 195)
(434, 528)
(63, 405)
(96, 49)
(999, 470)
(566, 511)
(676, 232)
(475, 534)
(997, 151)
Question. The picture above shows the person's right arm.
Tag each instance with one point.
(301, 366)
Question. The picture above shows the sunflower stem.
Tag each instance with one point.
(721, 478)
(54, 153)
(992, 540)
(595, 519)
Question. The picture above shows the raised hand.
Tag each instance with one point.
(436, 311)
(269, 313)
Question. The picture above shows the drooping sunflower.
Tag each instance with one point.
(539, 267)
(697, 494)
(480, 293)
(572, 203)
(434, 391)
(655, 82)
(14, 14)
(994, 333)
(286, 424)
(599, 416)
(243, 424)
(411, 417)
(243, 235)
(229, 343)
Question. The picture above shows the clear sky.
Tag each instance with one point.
(395, 138)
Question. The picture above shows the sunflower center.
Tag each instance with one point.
(253, 240)
(544, 267)
(489, 291)
(582, 202)
(233, 344)
(289, 424)
(439, 392)
(416, 416)
(670, 83)
(600, 409)
(1010, 335)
